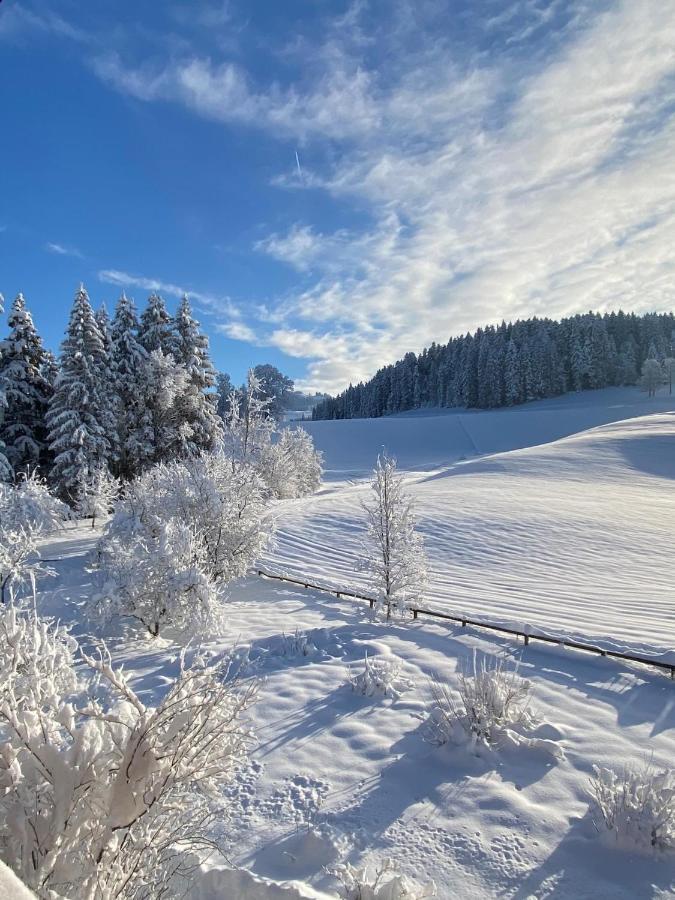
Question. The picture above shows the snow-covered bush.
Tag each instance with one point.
(289, 466)
(96, 495)
(179, 533)
(292, 467)
(30, 502)
(492, 707)
(635, 809)
(102, 796)
(381, 675)
(394, 553)
(19, 561)
(382, 882)
(158, 577)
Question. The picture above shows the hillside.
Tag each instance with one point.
(572, 534)
(563, 535)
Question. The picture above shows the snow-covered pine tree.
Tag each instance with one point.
(224, 388)
(107, 390)
(6, 473)
(128, 360)
(75, 417)
(200, 425)
(394, 552)
(155, 331)
(158, 437)
(27, 392)
(652, 376)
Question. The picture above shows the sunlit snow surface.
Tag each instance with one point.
(574, 536)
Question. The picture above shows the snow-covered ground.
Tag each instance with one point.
(571, 534)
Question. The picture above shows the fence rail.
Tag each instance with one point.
(475, 623)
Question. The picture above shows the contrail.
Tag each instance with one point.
(297, 160)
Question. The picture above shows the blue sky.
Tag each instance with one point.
(457, 163)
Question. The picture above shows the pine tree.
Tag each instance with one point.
(27, 392)
(127, 362)
(75, 417)
(155, 332)
(224, 388)
(6, 473)
(107, 392)
(196, 407)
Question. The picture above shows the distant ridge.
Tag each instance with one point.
(514, 363)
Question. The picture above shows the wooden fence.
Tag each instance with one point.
(527, 636)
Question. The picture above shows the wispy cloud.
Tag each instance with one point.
(531, 177)
(212, 303)
(18, 20)
(62, 250)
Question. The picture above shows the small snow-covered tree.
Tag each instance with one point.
(96, 494)
(292, 467)
(75, 417)
(652, 376)
(394, 553)
(196, 406)
(102, 796)
(27, 392)
(248, 424)
(668, 372)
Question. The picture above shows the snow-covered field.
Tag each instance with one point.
(571, 533)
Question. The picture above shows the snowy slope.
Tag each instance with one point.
(573, 537)
(427, 438)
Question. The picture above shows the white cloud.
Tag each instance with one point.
(220, 305)
(19, 20)
(61, 250)
(238, 331)
(496, 187)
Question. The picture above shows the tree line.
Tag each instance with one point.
(517, 362)
(124, 395)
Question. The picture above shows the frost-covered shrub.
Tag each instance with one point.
(223, 509)
(292, 467)
(381, 882)
(635, 809)
(492, 707)
(30, 503)
(102, 796)
(381, 675)
(179, 533)
(96, 495)
(19, 559)
(158, 577)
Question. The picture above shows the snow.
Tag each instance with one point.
(10, 886)
(565, 523)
